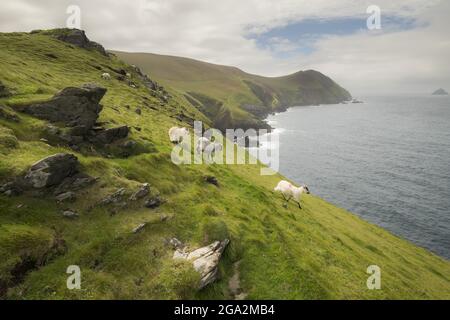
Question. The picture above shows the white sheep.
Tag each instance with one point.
(177, 134)
(212, 148)
(202, 143)
(106, 76)
(289, 191)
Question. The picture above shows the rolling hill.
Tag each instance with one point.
(232, 98)
(120, 231)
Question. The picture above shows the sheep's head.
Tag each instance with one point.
(305, 187)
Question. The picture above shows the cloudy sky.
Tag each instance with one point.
(409, 54)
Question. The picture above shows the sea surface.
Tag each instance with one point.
(386, 160)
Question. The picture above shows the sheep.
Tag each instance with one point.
(177, 134)
(289, 191)
(212, 148)
(202, 143)
(106, 76)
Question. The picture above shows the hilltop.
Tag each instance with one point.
(112, 202)
(232, 98)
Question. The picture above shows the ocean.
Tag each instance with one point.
(386, 160)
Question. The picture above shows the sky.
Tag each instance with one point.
(408, 55)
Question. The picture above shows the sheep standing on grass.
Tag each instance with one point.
(106, 76)
(177, 134)
(202, 143)
(289, 191)
(213, 148)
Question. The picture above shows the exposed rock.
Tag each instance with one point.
(129, 144)
(67, 196)
(51, 171)
(75, 107)
(116, 197)
(205, 260)
(212, 180)
(234, 284)
(143, 191)
(176, 244)
(139, 228)
(70, 214)
(108, 136)
(78, 38)
(75, 182)
(440, 92)
(11, 189)
(153, 203)
(138, 111)
(4, 92)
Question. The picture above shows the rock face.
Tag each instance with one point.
(440, 92)
(4, 92)
(107, 136)
(75, 107)
(205, 260)
(78, 38)
(51, 171)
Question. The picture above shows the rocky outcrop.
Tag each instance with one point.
(51, 171)
(77, 109)
(72, 106)
(142, 192)
(78, 38)
(440, 92)
(205, 260)
(4, 92)
(107, 136)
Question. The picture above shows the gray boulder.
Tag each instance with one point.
(75, 107)
(51, 171)
(205, 260)
(70, 214)
(66, 197)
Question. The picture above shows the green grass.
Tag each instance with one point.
(320, 252)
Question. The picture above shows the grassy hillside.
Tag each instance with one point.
(235, 98)
(320, 252)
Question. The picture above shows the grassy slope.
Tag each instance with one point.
(236, 88)
(318, 252)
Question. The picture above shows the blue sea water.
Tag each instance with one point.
(387, 160)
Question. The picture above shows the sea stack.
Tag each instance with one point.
(440, 92)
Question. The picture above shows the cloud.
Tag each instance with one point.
(224, 32)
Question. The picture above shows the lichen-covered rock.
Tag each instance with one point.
(51, 171)
(205, 260)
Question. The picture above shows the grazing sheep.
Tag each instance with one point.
(177, 134)
(212, 148)
(289, 191)
(106, 76)
(202, 143)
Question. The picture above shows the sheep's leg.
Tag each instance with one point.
(299, 206)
